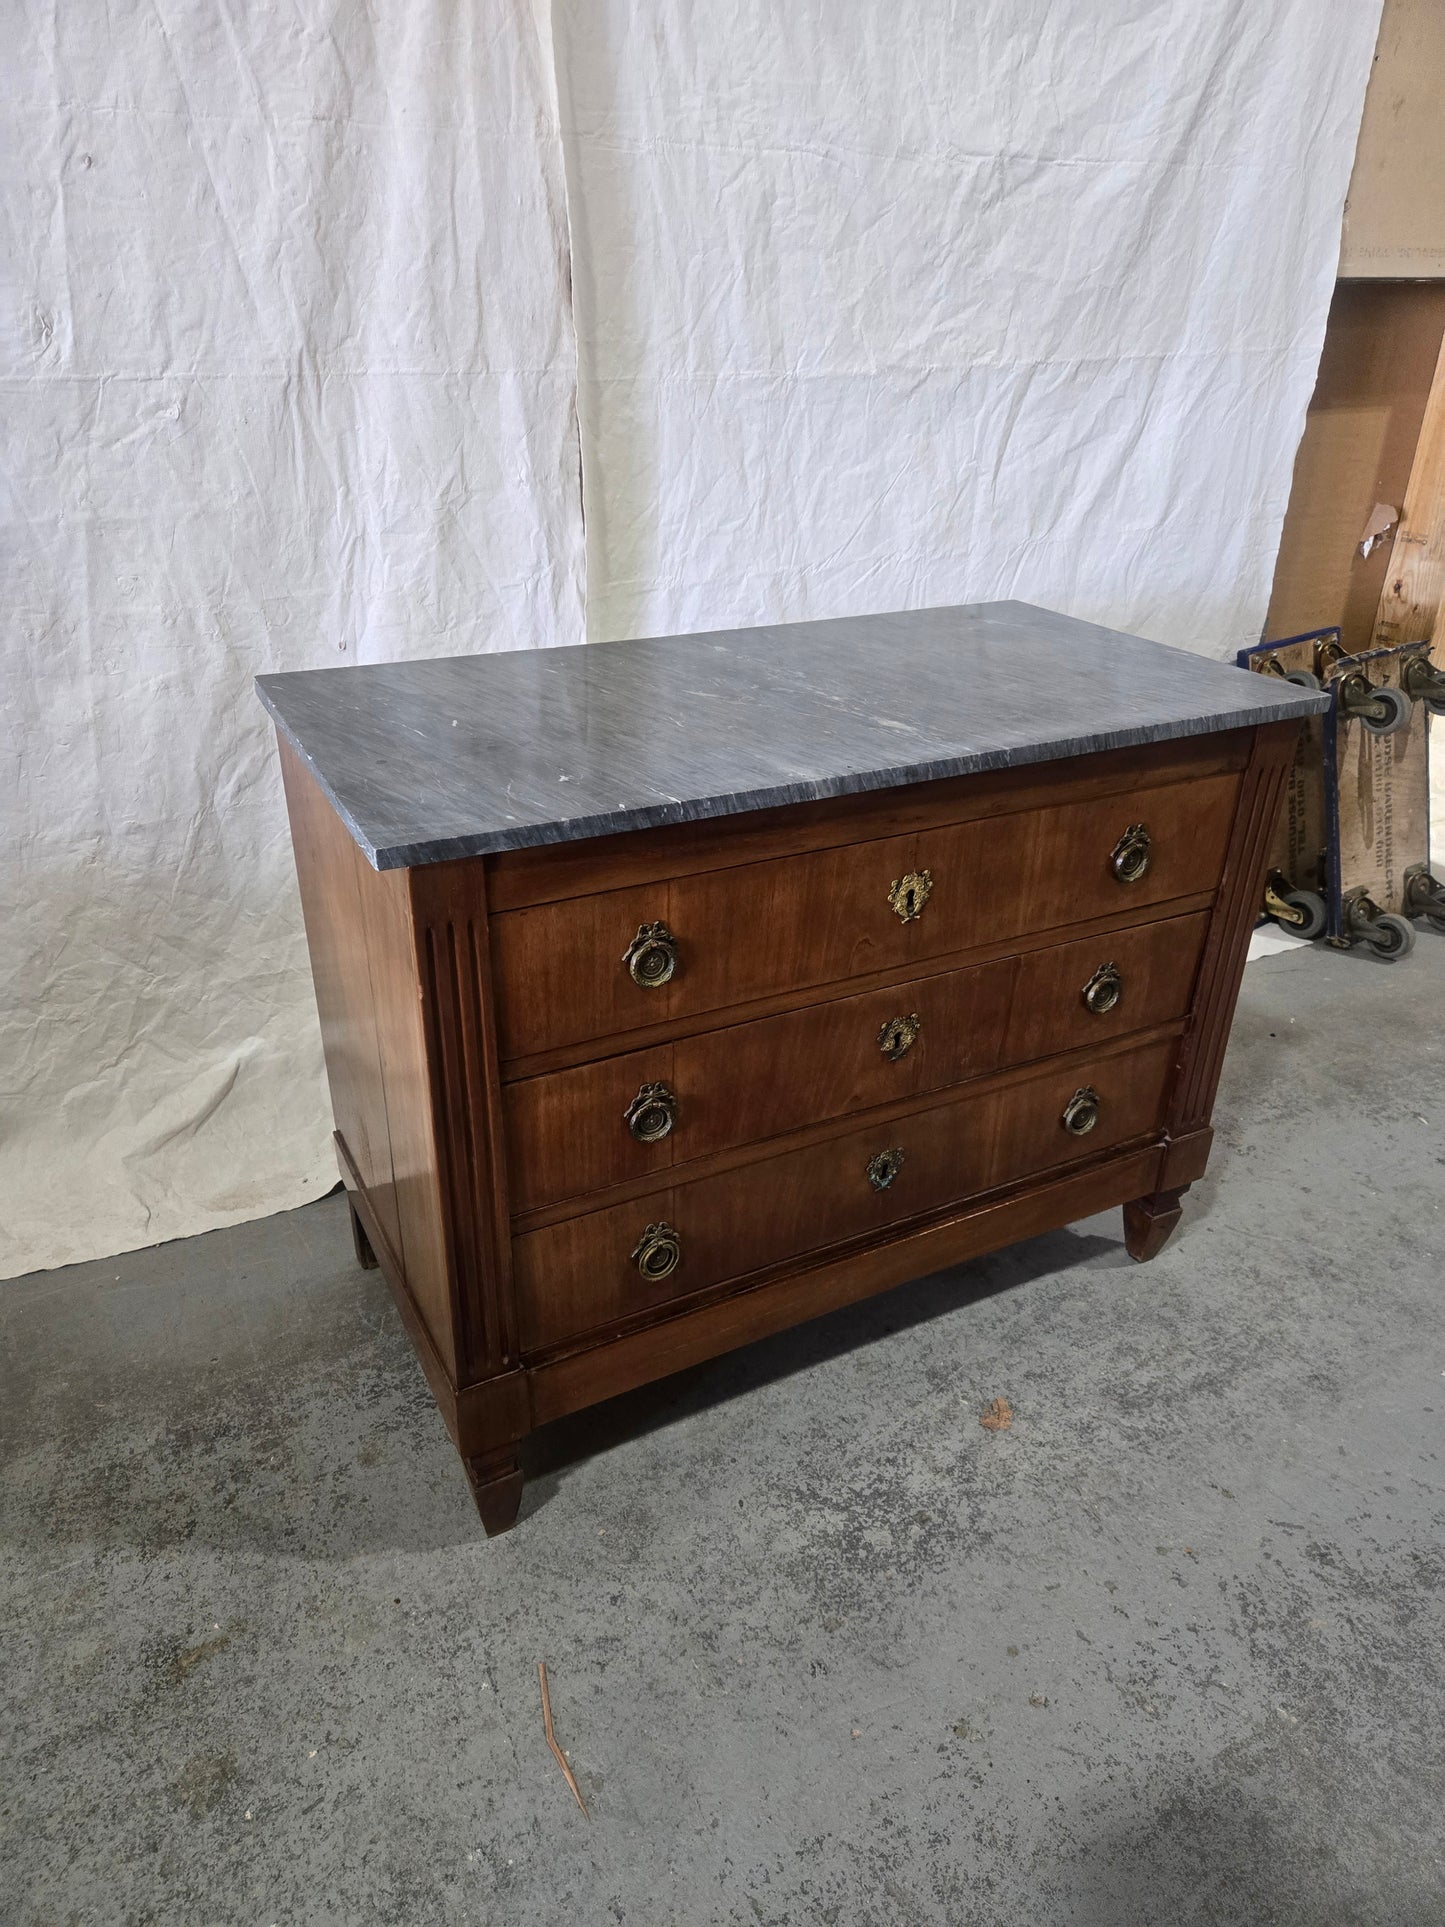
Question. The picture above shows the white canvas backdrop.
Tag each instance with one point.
(888, 304)
(288, 379)
(879, 306)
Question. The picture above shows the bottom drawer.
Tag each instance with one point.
(594, 1269)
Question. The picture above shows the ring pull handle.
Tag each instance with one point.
(899, 1035)
(651, 1114)
(658, 1253)
(884, 1168)
(1104, 988)
(1130, 858)
(1081, 1113)
(907, 895)
(651, 957)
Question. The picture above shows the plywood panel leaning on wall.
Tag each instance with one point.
(1414, 588)
(1395, 209)
(1381, 350)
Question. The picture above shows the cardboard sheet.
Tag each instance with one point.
(879, 307)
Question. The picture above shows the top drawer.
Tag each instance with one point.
(571, 971)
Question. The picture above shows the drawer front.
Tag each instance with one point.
(569, 1131)
(588, 1271)
(759, 930)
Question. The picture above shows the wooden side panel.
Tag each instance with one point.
(1227, 944)
(328, 869)
(358, 927)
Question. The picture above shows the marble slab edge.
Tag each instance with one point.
(652, 816)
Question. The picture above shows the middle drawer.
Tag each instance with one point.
(577, 1131)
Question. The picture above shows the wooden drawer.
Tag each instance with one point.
(567, 1130)
(759, 930)
(580, 1274)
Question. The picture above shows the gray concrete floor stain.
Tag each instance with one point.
(1171, 1648)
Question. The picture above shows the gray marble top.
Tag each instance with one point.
(467, 754)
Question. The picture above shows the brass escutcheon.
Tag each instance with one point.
(651, 1114)
(658, 1253)
(899, 1035)
(1131, 854)
(909, 894)
(884, 1168)
(651, 957)
(1104, 988)
(1081, 1113)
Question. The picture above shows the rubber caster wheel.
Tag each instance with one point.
(1391, 938)
(1424, 896)
(1312, 907)
(1396, 706)
(1303, 678)
(1436, 705)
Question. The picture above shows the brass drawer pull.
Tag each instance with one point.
(651, 957)
(908, 894)
(899, 1035)
(651, 1114)
(884, 1168)
(1104, 988)
(1081, 1113)
(1131, 854)
(658, 1253)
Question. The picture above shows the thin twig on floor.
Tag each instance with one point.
(557, 1754)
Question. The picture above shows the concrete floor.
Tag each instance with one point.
(823, 1649)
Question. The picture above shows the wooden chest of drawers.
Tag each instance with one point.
(617, 1090)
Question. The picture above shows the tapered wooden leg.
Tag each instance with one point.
(365, 1256)
(496, 1481)
(1149, 1221)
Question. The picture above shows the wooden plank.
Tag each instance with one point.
(1409, 609)
(1395, 209)
(1382, 344)
(328, 866)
